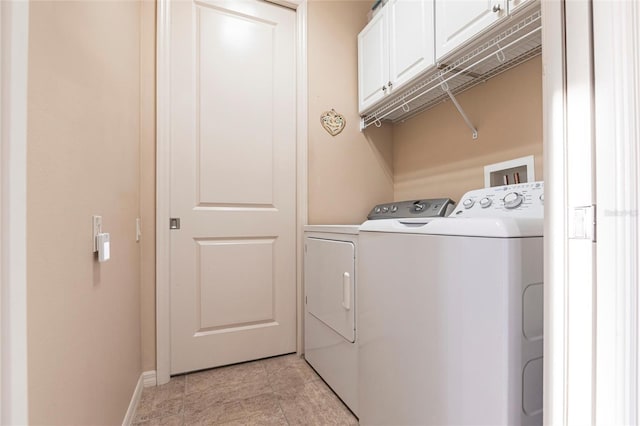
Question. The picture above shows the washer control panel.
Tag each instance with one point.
(525, 200)
(435, 207)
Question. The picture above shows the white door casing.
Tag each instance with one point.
(580, 180)
(570, 255)
(555, 227)
(14, 34)
(616, 31)
(591, 88)
(233, 183)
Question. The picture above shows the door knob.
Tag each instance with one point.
(496, 8)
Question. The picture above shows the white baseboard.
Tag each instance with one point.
(133, 405)
(149, 378)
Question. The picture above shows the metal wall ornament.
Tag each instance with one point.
(333, 122)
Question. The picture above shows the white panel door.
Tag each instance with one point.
(373, 61)
(459, 21)
(411, 39)
(233, 182)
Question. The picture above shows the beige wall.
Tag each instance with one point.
(148, 184)
(431, 155)
(83, 159)
(434, 154)
(353, 171)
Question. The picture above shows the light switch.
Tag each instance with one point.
(104, 247)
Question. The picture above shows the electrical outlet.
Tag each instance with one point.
(97, 229)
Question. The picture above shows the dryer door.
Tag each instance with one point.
(330, 283)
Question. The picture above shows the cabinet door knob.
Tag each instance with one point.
(389, 84)
(496, 8)
(384, 88)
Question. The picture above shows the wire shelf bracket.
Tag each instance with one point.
(474, 132)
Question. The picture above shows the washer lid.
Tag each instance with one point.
(504, 227)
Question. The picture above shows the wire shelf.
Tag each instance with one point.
(493, 55)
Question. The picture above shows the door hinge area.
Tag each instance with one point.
(583, 224)
(174, 223)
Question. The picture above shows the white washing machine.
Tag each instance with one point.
(331, 294)
(450, 314)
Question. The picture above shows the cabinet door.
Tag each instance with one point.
(373, 61)
(411, 39)
(459, 21)
(515, 5)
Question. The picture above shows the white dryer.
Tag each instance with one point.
(331, 294)
(450, 314)
(330, 318)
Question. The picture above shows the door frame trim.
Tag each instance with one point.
(554, 87)
(612, 361)
(163, 183)
(14, 39)
(617, 81)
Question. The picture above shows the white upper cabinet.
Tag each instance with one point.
(411, 45)
(396, 46)
(458, 21)
(514, 5)
(373, 61)
(399, 49)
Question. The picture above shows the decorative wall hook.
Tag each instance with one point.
(333, 122)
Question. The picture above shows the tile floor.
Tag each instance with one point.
(275, 391)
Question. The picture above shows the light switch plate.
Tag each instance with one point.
(583, 223)
(138, 229)
(97, 229)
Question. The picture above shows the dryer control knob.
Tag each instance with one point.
(542, 198)
(485, 202)
(385, 209)
(419, 207)
(377, 210)
(394, 208)
(512, 200)
(468, 203)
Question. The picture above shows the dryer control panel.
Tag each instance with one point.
(434, 207)
(523, 200)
